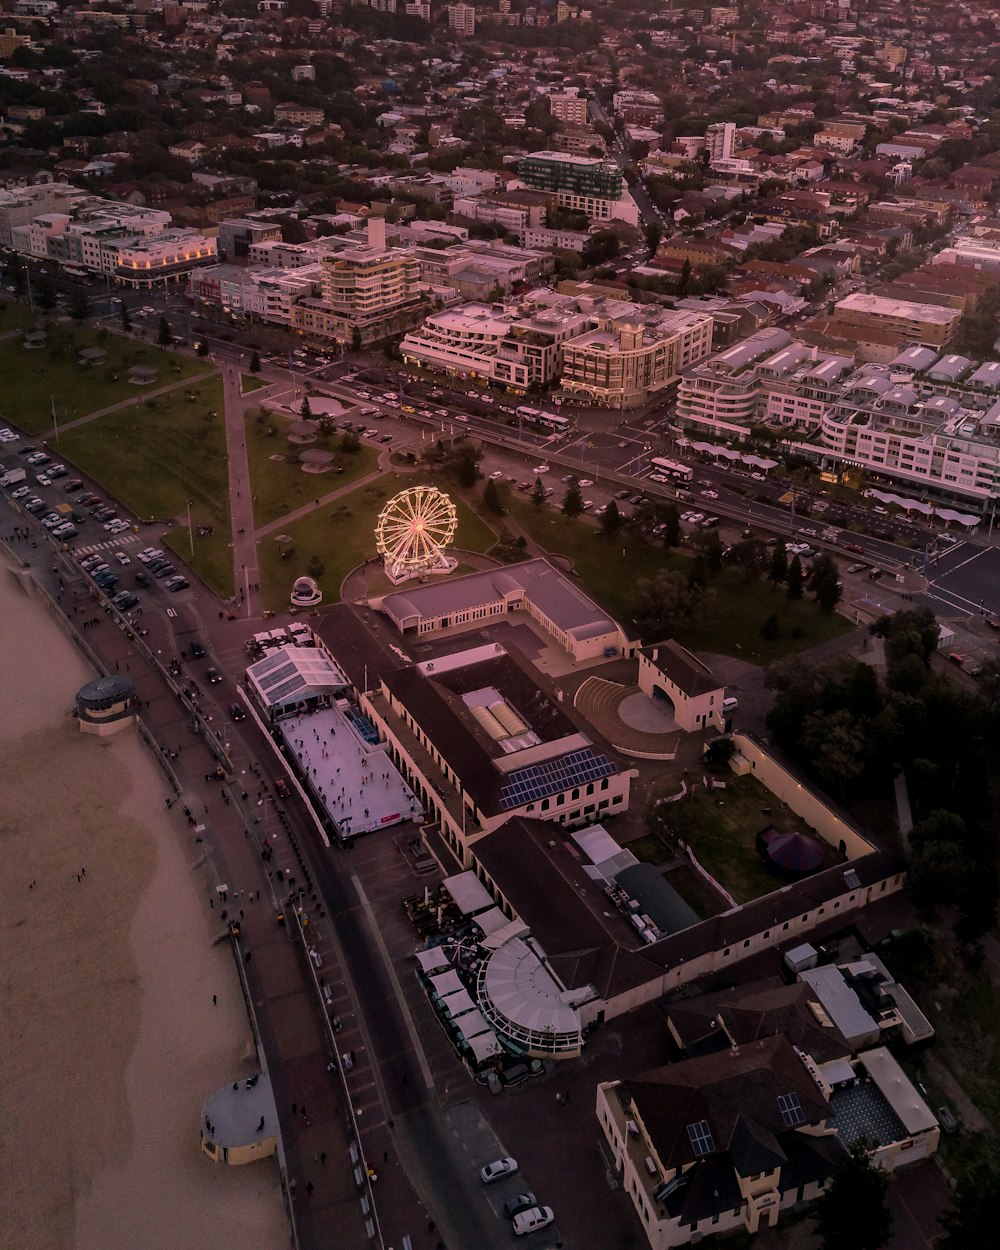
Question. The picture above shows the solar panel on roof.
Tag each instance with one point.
(538, 781)
(791, 1110)
(700, 1136)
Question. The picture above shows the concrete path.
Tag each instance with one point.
(140, 394)
(246, 570)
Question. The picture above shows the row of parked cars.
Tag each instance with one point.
(523, 1210)
(101, 573)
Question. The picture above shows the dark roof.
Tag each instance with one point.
(358, 640)
(657, 898)
(685, 670)
(733, 927)
(747, 1013)
(435, 702)
(103, 691)
(566, 911)
(754, 1148)
(718, 1090)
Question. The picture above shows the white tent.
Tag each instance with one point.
(468, 892)
(458, 1004)
(446, 983)
(434, 960)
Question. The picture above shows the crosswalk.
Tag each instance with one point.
(120, 540)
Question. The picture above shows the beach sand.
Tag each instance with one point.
(109, 1040)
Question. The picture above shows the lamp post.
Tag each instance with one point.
(190, 529)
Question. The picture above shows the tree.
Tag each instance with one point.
(45, 296)
(667, 604)
(124, 317)
(355, 339)
(315, 567)
(670, 519)
(771, 628)
(611, 521)
(684, 281)
(254, 365)
(824, 582)
(710, 545)
(163, 334)
(466, 460)
(793, 579)
(79, 305)
(492, 501)
(350, 444)
(971, 1219)
(572, 504)
(14, 272)
(538, 494)
(836, 746)
(853, 1212)
(305, 409)
(653, 233)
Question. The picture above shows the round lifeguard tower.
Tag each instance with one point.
(105, 705)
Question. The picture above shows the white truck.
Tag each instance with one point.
(11, 477)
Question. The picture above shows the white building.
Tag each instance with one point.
(462, 20)
(568, 106)
(720, 139)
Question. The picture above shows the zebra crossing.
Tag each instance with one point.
(119, 540)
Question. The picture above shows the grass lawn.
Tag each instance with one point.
(37, 377)
(249, 383)
(14, 317)
(342, 536)
(610, 567)
(156, 458)
(721, 827)
(280, 486)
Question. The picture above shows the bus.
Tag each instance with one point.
(528, 414)
(549, 421)
(673, 469)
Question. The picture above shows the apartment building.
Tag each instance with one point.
(720, 140)
(517, 348)
(911, 322)
(575, 176)
(462, 20)
(720, 396)
(568, 106)
(238, 236)
(633, 353)
(144, 263)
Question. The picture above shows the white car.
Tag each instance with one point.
(540, 468)
(497, 1170)
(531, 1220)
(495, 477)
(122, 558)
(585, 481)
(709, 494)
(150, 553)
(20, 492)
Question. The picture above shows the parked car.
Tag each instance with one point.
(497, 1170)
(517, 1204)
(142, 580)
(174, 585)
(530, 1221)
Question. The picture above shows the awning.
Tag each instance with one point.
(513, 928)
(468, 892)
(446, 982)
(434, 960)
(472, 1024)
(458, 1004)
(492, 921)
(484, 1046)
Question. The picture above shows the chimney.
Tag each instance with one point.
(376, 233)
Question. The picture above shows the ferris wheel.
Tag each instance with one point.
(413, 530)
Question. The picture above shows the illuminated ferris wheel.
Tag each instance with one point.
(413, 531)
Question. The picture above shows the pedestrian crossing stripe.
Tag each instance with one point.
(121, 541)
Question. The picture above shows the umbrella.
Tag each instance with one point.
(794, 852)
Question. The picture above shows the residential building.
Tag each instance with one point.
(238, 235)
(518, 348)
(462, 20)
(911, 322)
(720, 139)
(568, 106)
(145, 263)
(368, 292)
(574, 176)
(633, 353)
(298, 115)
(736, 1139)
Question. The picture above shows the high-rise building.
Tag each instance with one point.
(568, 106)
(462, 19)
(576, 175)
(720, 139)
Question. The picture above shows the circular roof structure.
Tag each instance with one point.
(524, 1003)
(103, 692)
(316, 455)
(302, 432)
(794, 853)
(142, 371)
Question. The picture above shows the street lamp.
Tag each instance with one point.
(190, 529)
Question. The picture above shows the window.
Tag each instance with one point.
(701, 1139)
(791, 1110)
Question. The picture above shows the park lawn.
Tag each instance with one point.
(341, 535)
(610, 567)
(156, 455)
(14, 317)
(721, 827)
(51, 373)
(280, 486)
(249, 383)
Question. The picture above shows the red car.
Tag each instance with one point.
(858, 550)
(281, 788)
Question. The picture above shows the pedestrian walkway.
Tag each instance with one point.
(384, 465)
(123, 540)
(246, 570)
(126, 403)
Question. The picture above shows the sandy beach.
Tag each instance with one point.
(108, 1034)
